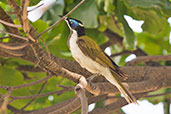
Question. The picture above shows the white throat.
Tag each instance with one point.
(68, 24)
(73, 38)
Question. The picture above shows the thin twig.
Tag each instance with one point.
(149, 58)
(35, 53)
(79, 90)
(10, 24)
(59, 92)
(114, 106)
(115, 22)
(33, 83)
(47, 49)
(147, 96)
(61, 18)
(42, 87)
(107, 44)
(113, 37)
(29, 68)
(13, 53)
(17, 47)
(22, 4)
(17, 9)
(15, 110)
(156, 95)
(26, 85)
(122, 53)
(17, 36)
(3, 107)
(26, 25)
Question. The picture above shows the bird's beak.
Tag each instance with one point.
(66, 18)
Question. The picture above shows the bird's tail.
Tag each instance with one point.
(115, 81)
(127, 95)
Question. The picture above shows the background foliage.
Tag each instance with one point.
(97, 16)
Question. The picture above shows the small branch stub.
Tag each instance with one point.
(80, 92)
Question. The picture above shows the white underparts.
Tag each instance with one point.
(87, 62)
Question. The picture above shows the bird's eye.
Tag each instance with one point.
(71, 22)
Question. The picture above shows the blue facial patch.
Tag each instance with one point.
(73, 23)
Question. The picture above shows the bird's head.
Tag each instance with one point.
(75, 26)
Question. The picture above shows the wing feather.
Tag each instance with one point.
(92, 50)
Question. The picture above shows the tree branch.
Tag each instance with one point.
(10, 24)
(28, 68)
(113, 39)
(4, 104)
(114, 106)
(80, 92)
(139, 77)
(149, 58)
(6, 18)
(25, 85)
(13, 47)
(41, 89)
(26, 26)
(14, 35)
(122, 53)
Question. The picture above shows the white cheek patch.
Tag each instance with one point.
(70, 27)
(80, 24)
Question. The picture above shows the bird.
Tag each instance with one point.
(91, 57)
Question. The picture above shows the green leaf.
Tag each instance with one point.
(164, 6)
(108, 22)
(41, 25)
(154, 14)
(3, 1)
(153, 45)
(156, 100)
(142, 3)
(87, 13)
(10, 77)
(108, 6)
(5, 6)
(34, 2)
(154, 22)
(57, 40)
(129, 40)
(52, 14)
(122, 60)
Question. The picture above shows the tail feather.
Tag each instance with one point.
(112, 78)
(127, 95)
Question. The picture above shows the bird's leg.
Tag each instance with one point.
(93, 77)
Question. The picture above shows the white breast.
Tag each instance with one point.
(83, 60)
(87, 62)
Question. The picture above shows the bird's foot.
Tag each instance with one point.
(93, 77)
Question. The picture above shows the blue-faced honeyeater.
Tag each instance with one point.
(90, 56)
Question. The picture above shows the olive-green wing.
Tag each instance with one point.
(92, 50)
